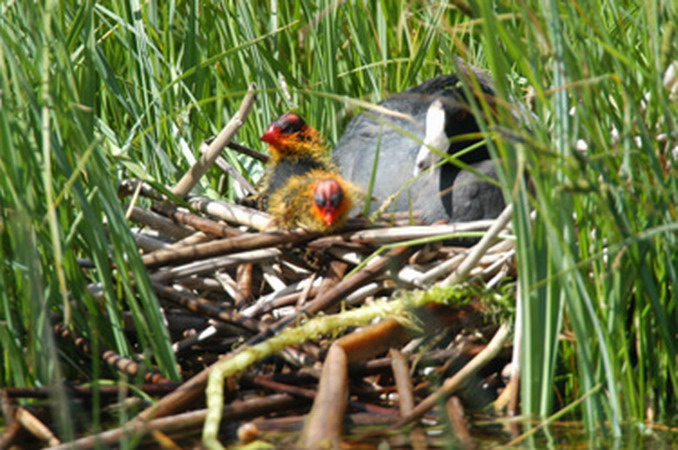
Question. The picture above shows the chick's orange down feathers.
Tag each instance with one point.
(289, 137)
(319, 201)
(296, 148)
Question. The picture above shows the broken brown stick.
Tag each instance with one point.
(35, 426)
(198, 222)
(216, 263)
(237, 410)
(196, 304)
(263, 157)
(159, 223)
(453, 383)
(401, 374)
(244, 284)
(226, 246)
(455, 415)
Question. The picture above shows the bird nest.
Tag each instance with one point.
(321, 331)
(228, 282)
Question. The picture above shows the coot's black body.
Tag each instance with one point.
(447, 192)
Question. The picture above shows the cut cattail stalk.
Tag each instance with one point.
(325, 422)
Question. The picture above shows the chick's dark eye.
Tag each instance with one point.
(336, 198)
(320, 199)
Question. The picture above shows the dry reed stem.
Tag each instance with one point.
(229, 212)
(148, 243)
(401, 374)
(35, 426)
(388, 235)
(222, 247)
(192, 177)
(237, 410)
(268, 383)
(455, 415)
(214, 264)
(263, 157)
(295, 423)
(229, 169)
(87, 391)
(243, 284)
(480, 248)
(194, 303)
(194, 239)
(266, 302)
(365, 291)
(401, 233)
(452, 384)
(160, 223)
(197, 222)
(9, 433)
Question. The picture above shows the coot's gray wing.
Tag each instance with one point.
(355, 152)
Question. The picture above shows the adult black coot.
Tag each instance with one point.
(432, 112)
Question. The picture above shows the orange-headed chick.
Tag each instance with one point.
(296, 148)
(320, 201)
(290, 137)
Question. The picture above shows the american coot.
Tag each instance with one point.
(319, 200)
(296, 148)
(433, 112)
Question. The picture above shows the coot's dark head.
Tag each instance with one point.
(448, 119)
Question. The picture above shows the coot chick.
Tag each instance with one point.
(296, 148)
(319, 200)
